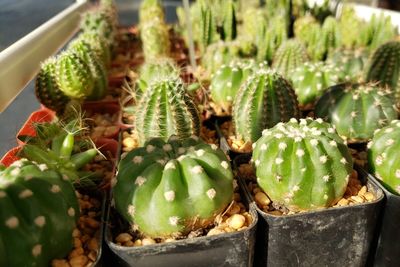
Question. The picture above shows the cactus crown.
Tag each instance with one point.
(383, 155)
(166, 109)
(265, 99)
(158, 69)
(172, 188)
(356, 110)
(302, 165)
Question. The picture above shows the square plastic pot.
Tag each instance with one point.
(339, 236)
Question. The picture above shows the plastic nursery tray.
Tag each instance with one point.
(388, 247)
(339, 236)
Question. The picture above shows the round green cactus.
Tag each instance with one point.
(38, 213)
(73, 76)
(311, 79)
(172, 188)
(165, 109)
(226, 82)
(351, 63)
(383, 156)
(46, 89)
(384, 66)
(265, 99)
(356, 110)
(155, 39)
(290, 55)
(302, 165)
(84, 51)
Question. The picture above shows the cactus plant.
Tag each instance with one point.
(166, 109)
(46, 89)
(265, 99)
(155, 39)
(101, 23)
(384, 67)
(378, 31)
(331, 39)
(357, 110)
(228, 27)
(150, 10)
(383, 156)
(158, 69)
(99, 45)
(38, 211)
(208, 28)
(98, 72)
(73, 76)
(350, 27)
(290, 55)
(302, 165)
(311, 79)
(351, 63)
(218, 54)
(171, 188)
(226, 82)
(269, 38)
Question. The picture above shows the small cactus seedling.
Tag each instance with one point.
(171, 188)
(73, 76)
(384, 157)
(226, 82)
(290, 55)
(357, 110)
(97, 68)
(166, 109)
(302, 165)
(265, 99)
(351, 63)
(46, 89)
(38, 213)
(155, 39)
(384, 67)
(311, 79)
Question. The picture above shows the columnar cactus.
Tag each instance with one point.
(356, 110)
(311, 79)
(290, 55)
(99, 45)
(384, 67)
(379, 30)
(46, 89)
(150, 10)
(226, 82)
(99, 22)
(302, 165)
(350, 27)
(155, 39)
(73, 76)
(265, 99)
(269, 38)
(38, 212)
(331, 38)
(97, 68)
(208, 28)
(172, 188)
(383, 155)
(229, 21)
(350, 62)
(166, 109)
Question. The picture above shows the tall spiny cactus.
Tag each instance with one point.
(165, 109)
(265, 99)
(171, 188)
(350, 27)
(101, 23)
(229, 21)
(357, 110)
(383, 156)
(331, 38)
(155, 39)
(378, 31)
(99, 45)
(208, 28)
(269, 38)
(302, 165)
(46, 89)
(150, 10)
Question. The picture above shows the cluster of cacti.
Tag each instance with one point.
(166, 109)
(379, 30)
(226, 82)
(383, 156)
(265, 99)
(302, 165)
(308, 30)
(384, 67)
(311, 79)
(289, 56)
(357, 110)
(39, 211)
(171, 188)
(350, 62)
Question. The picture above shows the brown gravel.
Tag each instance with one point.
(236, 144)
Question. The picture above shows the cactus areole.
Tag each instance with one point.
(302, 165)
(38, 212)
(384, 156)
(172, 188)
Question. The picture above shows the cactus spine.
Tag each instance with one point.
(383, 156)
(172, 188)
(290, 55)
(265, 99)
(356, 110)
(165, 109)
(158, 69)
(302, 165)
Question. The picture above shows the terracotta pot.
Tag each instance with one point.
(10, 156)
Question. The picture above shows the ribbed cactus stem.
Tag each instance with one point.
(165, 109)
(290, 55)
(150, 10)
(229, 21)
(265, 99)
(99, 45)
(155, 39)
(351, 63)
(208, 27)
(302, 165)
(155, 70)
(171, 188)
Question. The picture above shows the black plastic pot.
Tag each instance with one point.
(388, 246)
(234, 249)
(331, 237)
